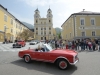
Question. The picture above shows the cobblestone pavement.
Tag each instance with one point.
(11, 64)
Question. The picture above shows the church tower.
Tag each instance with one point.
(43, 27)
(49, 16)
(36, 16)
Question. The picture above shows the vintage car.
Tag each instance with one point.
(33, 42)
(63, 58)
(19, 44)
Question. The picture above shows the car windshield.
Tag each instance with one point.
(48, 47)
(32, 41)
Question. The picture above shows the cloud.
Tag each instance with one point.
(62, 9)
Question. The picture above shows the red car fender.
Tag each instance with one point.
(61, 57)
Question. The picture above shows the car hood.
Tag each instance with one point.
(64, 51)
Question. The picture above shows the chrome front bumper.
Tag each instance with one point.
(74, 62)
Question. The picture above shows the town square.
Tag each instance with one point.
(46, 37)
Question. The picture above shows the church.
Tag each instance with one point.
(43, 27)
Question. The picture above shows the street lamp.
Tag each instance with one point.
(5, 34)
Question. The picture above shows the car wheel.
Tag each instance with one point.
(62, 64)
(20, 46)
(27, 59)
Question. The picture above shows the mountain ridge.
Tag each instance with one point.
(30, 26)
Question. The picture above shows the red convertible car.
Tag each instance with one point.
(63, 58)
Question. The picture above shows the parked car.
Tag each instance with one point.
(33, 42)
(42, 41)
(20, 43)
(63, 58)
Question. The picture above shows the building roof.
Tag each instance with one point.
(86, 13)
(83, 13)
(37, 9)
(49, 9)
(12, 15)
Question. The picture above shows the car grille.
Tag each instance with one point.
(76, 57)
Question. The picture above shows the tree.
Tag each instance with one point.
(26, 34)
(59, 35)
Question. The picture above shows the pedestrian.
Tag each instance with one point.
(82, 45)
(96, 41)
(86, 45)
(56, 45)
(99, 44)
(93, 45)
(90, 45)
(77, 45)
(66, 42)
(73, 45)
(69, 44)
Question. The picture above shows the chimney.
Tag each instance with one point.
(6, 9)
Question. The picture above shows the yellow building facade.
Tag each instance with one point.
(43, 27)
(9, 25)
(84, 24)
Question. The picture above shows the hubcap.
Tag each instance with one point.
(63, 64)
(27, 58)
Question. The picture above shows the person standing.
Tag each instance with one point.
(96, 41)
(93, 45)
(76, 42)
(82, 45)
(56, 45)
(90, 45)
(66, 44)
(99, 44)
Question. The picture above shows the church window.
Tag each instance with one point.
(44, 28)
(36, 28)
(44, 22)
(36, 32)
(41, 38)
(36, 21)
(49, 20)
(93, 33)
(45, 33)
(49, 32)
(41, 29)
(49, 28)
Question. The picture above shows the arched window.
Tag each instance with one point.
(36, 21)
(41, 28)
(36, 28)
(49, 21)
(49, 28)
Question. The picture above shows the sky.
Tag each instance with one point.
(61, 9)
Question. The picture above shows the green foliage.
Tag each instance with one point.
(59, 35)
(58, 30)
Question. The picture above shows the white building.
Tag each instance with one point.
(43, 27)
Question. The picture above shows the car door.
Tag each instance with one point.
(42, 56)
(33, 55)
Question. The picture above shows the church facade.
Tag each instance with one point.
(43, 27)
